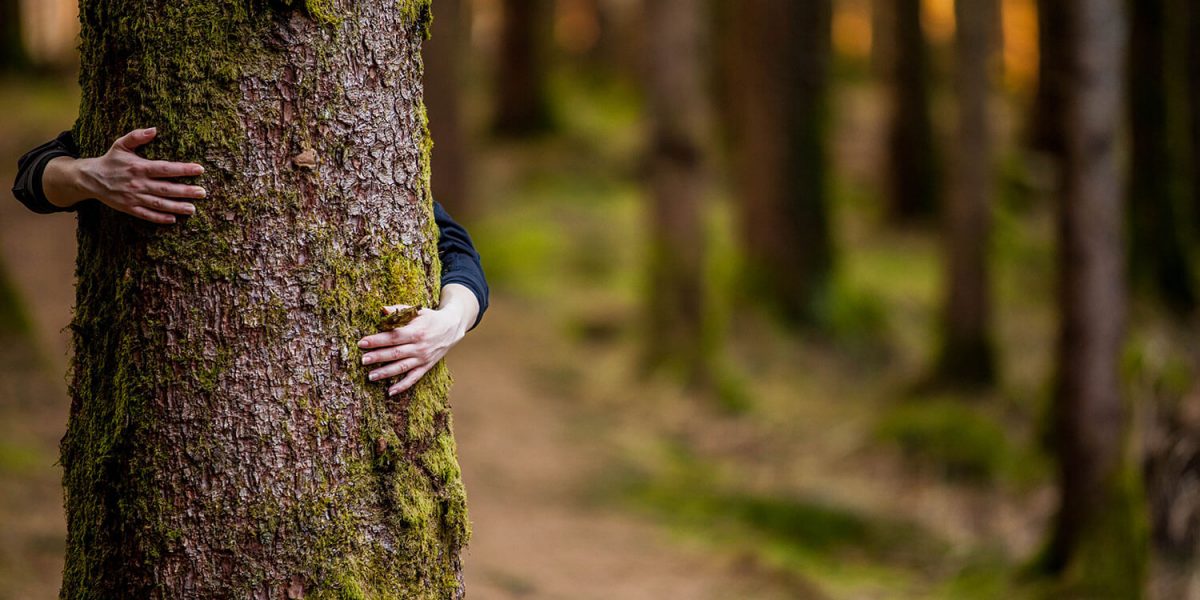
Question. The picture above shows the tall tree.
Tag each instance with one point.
(1192, 50)
(1045, 125)
(914, 178)
(443, 55)
(12, 47)
(778, 112)
(224, 440)
(967, 352)
(679, 112)
(1159, 260)
(1098, 541)
(522, 101)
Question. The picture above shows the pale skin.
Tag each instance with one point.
(126, 182)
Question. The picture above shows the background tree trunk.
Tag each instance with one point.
(779, 115)
(12, 47)
(1045, 125)
(223, 438)
(679, 113)
(1159, 262)
(967, 354)
(1097, 539)
(443, 55)
(522, 105)
(914, 178)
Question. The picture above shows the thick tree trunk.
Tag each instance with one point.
(1159, 261)
(883, 38)
(223, 439)
(443, 55)
(1192, 48)
(522, 104)
(679, 112)
(1098, 540)
(778, 107)
(12, 47)
(914, 179)
(967, 353)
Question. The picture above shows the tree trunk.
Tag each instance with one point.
(679, 112)
(443, 55)
(914, 178)
(779, 114)
(883, 38)
(1192, 50)
(1045, 125)
(1159, 262)
(1098, 542)
(967, 353)
(224, 440)
(12, 47)
(522, 105)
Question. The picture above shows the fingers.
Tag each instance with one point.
(395, 307)
(395, 337)
(165, 169)
(410, 379)
(142, 212)
(392, 353)
(156, 203)
(394, 369)
(167, 189)
(135, 139)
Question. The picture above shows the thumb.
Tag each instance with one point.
(136, 138)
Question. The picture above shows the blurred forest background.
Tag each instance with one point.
(792, 299)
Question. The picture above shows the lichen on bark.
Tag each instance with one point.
(223, 438)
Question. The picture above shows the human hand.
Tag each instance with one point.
(124, 181)
(415, 347)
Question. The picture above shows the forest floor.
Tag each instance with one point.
(818, 469)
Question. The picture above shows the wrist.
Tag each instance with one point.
(459, 301)
(63, 183)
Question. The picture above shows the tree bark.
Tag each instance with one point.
(1045, 125)
(1098, 542)
(778, 108)
(522, 104)
(914, 178)
(967, 353)
(224, 440)
(1159, 262)
(443, 55)
(679, 113)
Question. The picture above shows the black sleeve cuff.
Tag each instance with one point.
(28, 185)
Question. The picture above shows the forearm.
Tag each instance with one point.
(63, 183)
(459, 300)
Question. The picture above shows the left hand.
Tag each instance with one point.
(415, 348)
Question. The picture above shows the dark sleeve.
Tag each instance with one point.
(28, 185)
(460, 261)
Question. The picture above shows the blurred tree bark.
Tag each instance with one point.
(1045, 125)
(1159, 261)
(1097, 544)
(1192, 50)
(522, 102)
(223, 439)
(679, 113)
(443, 54)
(13, 56)
(883, 38)
(914, 177)
(967, 353)
(778, 112)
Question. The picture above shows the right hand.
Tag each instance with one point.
(126, 182)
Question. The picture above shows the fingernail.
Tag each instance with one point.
(171, 220)
(374, 376)
(202, 192)
(191, 210)
(392, 392)
(362, 343)
(365, 360)
(151, 130)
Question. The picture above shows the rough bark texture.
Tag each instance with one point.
(967, 352)
(779, 114)
(1159, 262)
(522, 105)
(223, 439)
(1099, 539)
(443, 55)
(914, 185)
(12, 48)
(679, 112)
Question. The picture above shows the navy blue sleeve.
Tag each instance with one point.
(28, 185)
(460, 261)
